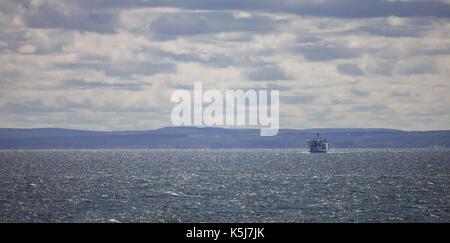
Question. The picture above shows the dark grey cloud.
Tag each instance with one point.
(422, 67)
(180, 86)
(321, 117)
(11, 7)
(126, 70)
(122, 70)
(13, 37)
(82, 84)
(379, 107)
(15, 44)
(277, 86)
(373, 8)
(436, 50)
(330, 8)
(179, 24)
(31, 107)
(37, 107)
(383, 67)
(69, 105)
(270, 73)
(10, 75)
(46, 16)
(343, 102)
(52, 42)
(321, 52)
(186, 23)
(3, 49)
(400, 94)
(299, 99)
(360, 93)
(431, 114)
(349, 69)
(219, 60)
(308, 39)
(408, 27)
(392, 31)
(102, 15)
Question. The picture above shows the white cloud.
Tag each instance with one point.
(242, 15)
(27, 49)
(116, 69)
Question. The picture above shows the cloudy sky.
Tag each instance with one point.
(113, 65)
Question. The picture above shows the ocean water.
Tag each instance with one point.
(224, 186)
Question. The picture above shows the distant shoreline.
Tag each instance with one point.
(219, 138)
(300, 150)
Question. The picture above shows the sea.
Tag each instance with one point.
(233, 185)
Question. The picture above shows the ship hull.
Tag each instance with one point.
(318, 152)
(318, 145)
(322, 148)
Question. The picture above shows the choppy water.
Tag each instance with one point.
(224, 186)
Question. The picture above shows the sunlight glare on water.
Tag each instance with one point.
(224, 186)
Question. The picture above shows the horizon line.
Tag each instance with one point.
(227, 128)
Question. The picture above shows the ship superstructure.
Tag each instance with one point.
(317, 144)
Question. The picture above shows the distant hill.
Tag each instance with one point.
(216, 138)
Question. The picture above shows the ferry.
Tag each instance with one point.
(317, 144)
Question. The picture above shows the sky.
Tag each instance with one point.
(113, 65)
